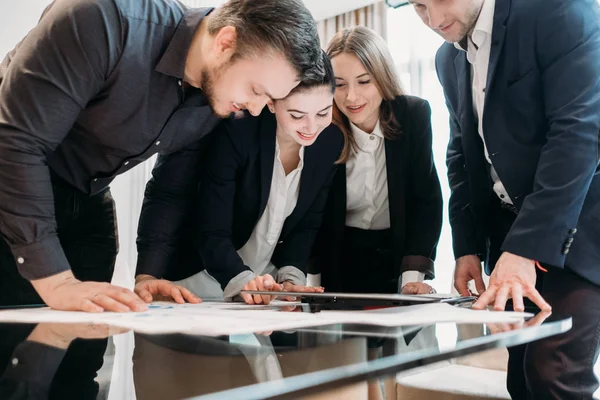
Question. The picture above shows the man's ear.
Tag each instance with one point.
(225, 42)
(271, 106)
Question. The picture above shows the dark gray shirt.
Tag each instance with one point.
(93, 90)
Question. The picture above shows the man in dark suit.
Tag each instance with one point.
(522, 85)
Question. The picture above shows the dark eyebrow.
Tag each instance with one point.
(304, 112)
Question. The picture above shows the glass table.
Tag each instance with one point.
(87, 361)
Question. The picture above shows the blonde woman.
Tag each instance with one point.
(384, 216)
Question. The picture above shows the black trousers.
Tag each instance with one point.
(367, 262)
(87, 231)
(558, 367)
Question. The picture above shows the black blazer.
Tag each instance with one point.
(415, 200)
(541, 127)
(235, 188)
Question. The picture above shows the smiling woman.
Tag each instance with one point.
(384, 214)
(262, 197)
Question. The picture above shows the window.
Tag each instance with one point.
(413, 47)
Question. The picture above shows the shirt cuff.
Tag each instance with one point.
(313, 279)
(41, 259)
(412, 276)
(292, 275)
(235, 285)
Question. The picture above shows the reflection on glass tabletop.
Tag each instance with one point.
(87, 360)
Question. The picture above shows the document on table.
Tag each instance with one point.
(226, 318)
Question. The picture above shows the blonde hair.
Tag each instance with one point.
(373, 53)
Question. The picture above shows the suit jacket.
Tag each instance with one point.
(415, 200)
(235, 189)
(541, 125)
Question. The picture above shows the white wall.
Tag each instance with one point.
(17, 17)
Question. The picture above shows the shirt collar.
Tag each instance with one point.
(173, 59)
(363, 137)
(483, 27)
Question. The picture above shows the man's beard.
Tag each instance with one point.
(207, 83)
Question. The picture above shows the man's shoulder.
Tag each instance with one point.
(444, 59)
(446, 54)
(159, 12)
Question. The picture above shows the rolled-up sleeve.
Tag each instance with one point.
(44, 85)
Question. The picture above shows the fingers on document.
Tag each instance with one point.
(109, 304)
(537, 298)
(486, 298)
(517, 296)
(143, 292)
(189, 296)
(126, 297)
(516, 291)
(502, 297)
(88, 306)
(181, 294)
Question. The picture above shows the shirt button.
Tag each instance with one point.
(502, 196)
(20, 260)
(126, 163)
(372, 137)
(14, 361)
(179, 83)
(157, 142)
(95, 180)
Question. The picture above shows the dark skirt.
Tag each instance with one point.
(367, 264)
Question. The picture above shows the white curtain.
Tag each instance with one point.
(372, 16)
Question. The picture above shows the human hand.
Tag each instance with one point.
(515, 277)
(64, 292)
(263, 283)
(417, 288)
(468, 268)
(290, 287)
(149, 288)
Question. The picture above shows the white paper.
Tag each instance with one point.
(221, 318)
(424, 314)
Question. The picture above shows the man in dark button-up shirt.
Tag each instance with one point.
(99, 86)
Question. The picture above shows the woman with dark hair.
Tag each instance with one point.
(262, 197)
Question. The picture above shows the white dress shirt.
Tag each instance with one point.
(258, 250)
(367, 205)
(478, 54)
(366, 182)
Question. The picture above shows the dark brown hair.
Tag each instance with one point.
(282, 26)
